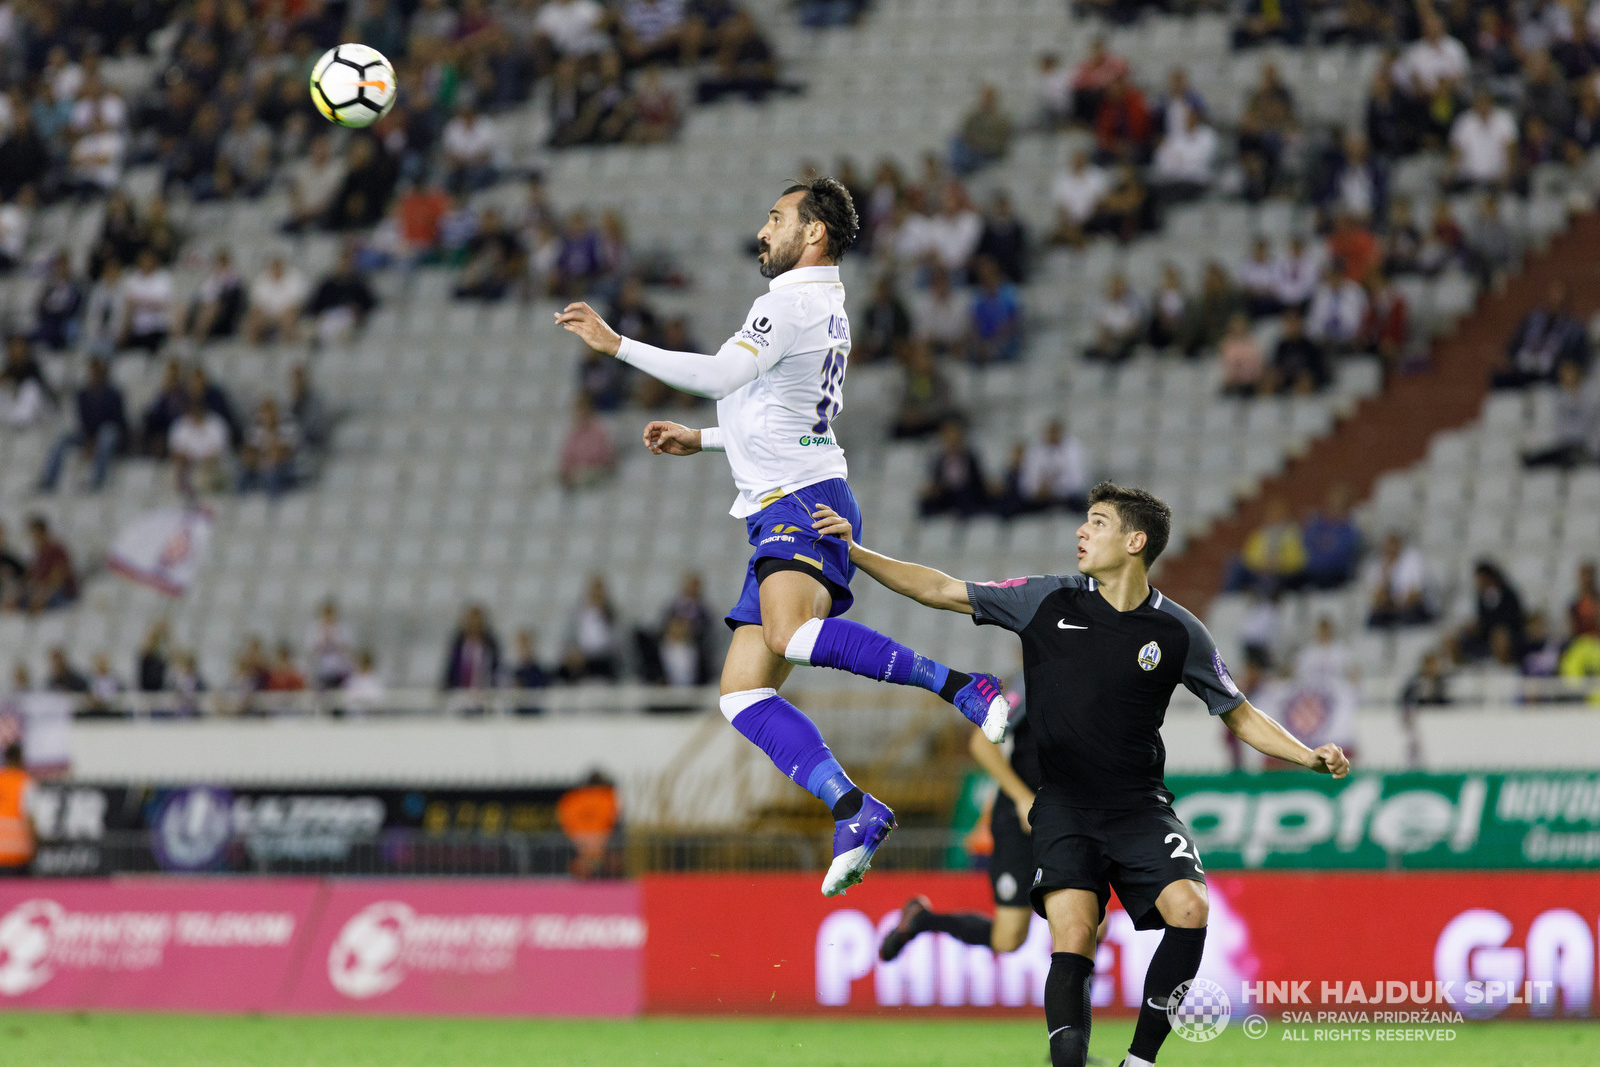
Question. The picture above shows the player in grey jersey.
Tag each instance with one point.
(1102, 654)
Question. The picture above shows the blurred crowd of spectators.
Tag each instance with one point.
(598, 644)
(1500, 635)
(192, 422)
(1552, 346)
(215, 90)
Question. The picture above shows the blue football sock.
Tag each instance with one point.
(790, 740)
(850, 646)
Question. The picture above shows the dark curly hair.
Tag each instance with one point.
(827, 201)
(1138, 510)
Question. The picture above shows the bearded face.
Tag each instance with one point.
(781, 258)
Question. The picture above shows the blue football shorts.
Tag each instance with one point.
(782, 531)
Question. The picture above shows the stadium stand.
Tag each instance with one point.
(441, 488)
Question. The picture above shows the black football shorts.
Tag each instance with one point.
(1011, 865)
(1137, 852)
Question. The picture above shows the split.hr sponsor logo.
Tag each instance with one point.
(808, 440)
(40, 937)
(384, 942)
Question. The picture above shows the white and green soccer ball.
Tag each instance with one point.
(353, 85)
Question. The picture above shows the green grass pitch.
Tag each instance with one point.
(77, 1040)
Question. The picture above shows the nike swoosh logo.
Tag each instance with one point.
(1065, 625)
(855, 828)
(1157, 1007)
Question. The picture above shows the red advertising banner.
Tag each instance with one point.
(169, 944)
(527, 947)
(475, 948)
(1480, 944)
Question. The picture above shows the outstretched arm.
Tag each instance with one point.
(732, 368)
(988, 756)
(1264, 734)
(922, 584)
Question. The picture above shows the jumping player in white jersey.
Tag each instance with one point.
(778, 384)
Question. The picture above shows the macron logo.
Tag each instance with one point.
(1065, 625)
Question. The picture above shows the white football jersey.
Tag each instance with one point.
(778, 430)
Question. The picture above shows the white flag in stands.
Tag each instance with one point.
(163, 549)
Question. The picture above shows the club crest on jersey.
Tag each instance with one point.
(1149, 656)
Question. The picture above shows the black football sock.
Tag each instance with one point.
(1066, 1008)
(965, 926)
(954, 682)
(847, 805)
(1176, 961)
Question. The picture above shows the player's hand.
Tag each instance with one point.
(591, 329)
(669, 438)
(1329, 759)
(831, 523)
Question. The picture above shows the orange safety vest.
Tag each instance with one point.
(588, 811)
(16, 838)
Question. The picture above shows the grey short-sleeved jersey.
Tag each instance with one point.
(1099, 681)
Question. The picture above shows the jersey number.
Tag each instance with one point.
(1183, 851)
(832, 378)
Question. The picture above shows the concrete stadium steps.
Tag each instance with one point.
(1393, 430)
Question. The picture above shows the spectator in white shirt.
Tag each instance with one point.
(1482, 142)
(1338, 311)
(16, 220)
(64, 77)
(1185, 159)
(573, 27)
(1053, 91)
(469, 142)
(1394, 582)
(329, 644)
(313, 183)
(1119, 322)
(147, 304)
(277, 297)
(1055, 471)
(1257, 280)
(1326, 661)
(198, 444)
(912, 228)
(95, 161)
(1077, 193)
(651, 31)
(97, 100)
(1297, 271)
(23, 394)
(1437, 61)
(954, 233)
(593, 636)
(363, 690)
(680, 655)
(939, 315)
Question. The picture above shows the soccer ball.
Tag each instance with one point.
(353, 85)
